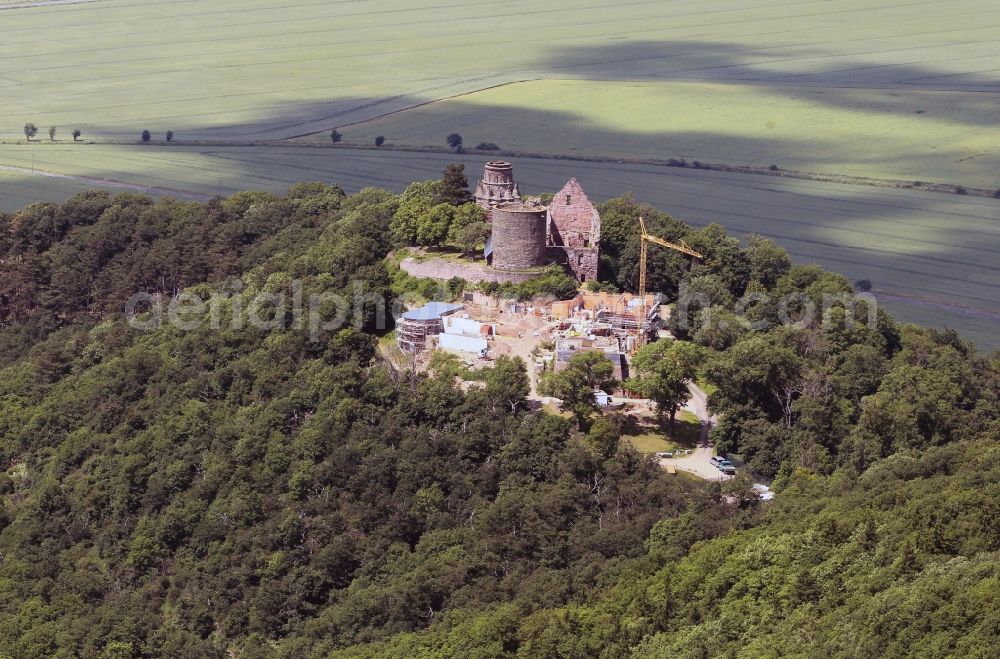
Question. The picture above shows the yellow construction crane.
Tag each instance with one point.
(679, 246)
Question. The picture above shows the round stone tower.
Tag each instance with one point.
(518, 238)
(497, 185)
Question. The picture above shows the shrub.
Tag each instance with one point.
(863, 285)
(487, 146)
(380, 140)
(960, 190)
(455, 286)
(773, 168)
(596, 286)
(554, 282)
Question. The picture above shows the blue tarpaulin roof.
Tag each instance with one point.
(431, 310)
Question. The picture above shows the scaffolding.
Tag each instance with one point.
(411, 335)
(413, 328)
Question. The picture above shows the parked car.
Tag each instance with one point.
(726, 467)
(664, 454)
(716, 459)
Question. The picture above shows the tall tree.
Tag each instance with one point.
(507, 383)
(433, 225)
(468, 227)
(454, 188)
(30, 130)
(469, 236)
(454, 140)
(417, 199)
(664, 370)
(768, 262)
(574, 386)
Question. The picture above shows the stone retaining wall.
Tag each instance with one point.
(442, 269)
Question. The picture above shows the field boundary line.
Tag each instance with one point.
(677, 163)
(110, 182)
(407, 108)
(46, 3)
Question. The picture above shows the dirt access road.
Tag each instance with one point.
(698, 462)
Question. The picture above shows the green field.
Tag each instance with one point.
(255, 68)
(905, 134)
(908, 90)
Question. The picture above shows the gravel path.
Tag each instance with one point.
(698, 462)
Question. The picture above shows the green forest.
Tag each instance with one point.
(233, 491)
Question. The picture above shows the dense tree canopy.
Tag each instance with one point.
(232, 490)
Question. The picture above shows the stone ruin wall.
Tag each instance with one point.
(574, 230)
(582, 261)
(519, 236)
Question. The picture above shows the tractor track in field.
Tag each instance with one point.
(107, 182)
(937, 303)
(45, 3)
(680, 163)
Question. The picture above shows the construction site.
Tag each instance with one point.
(544, 333)
(547, 333)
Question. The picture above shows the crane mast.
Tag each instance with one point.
(646, 238)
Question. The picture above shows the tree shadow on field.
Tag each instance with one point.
(781, 69)
(828, 77)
